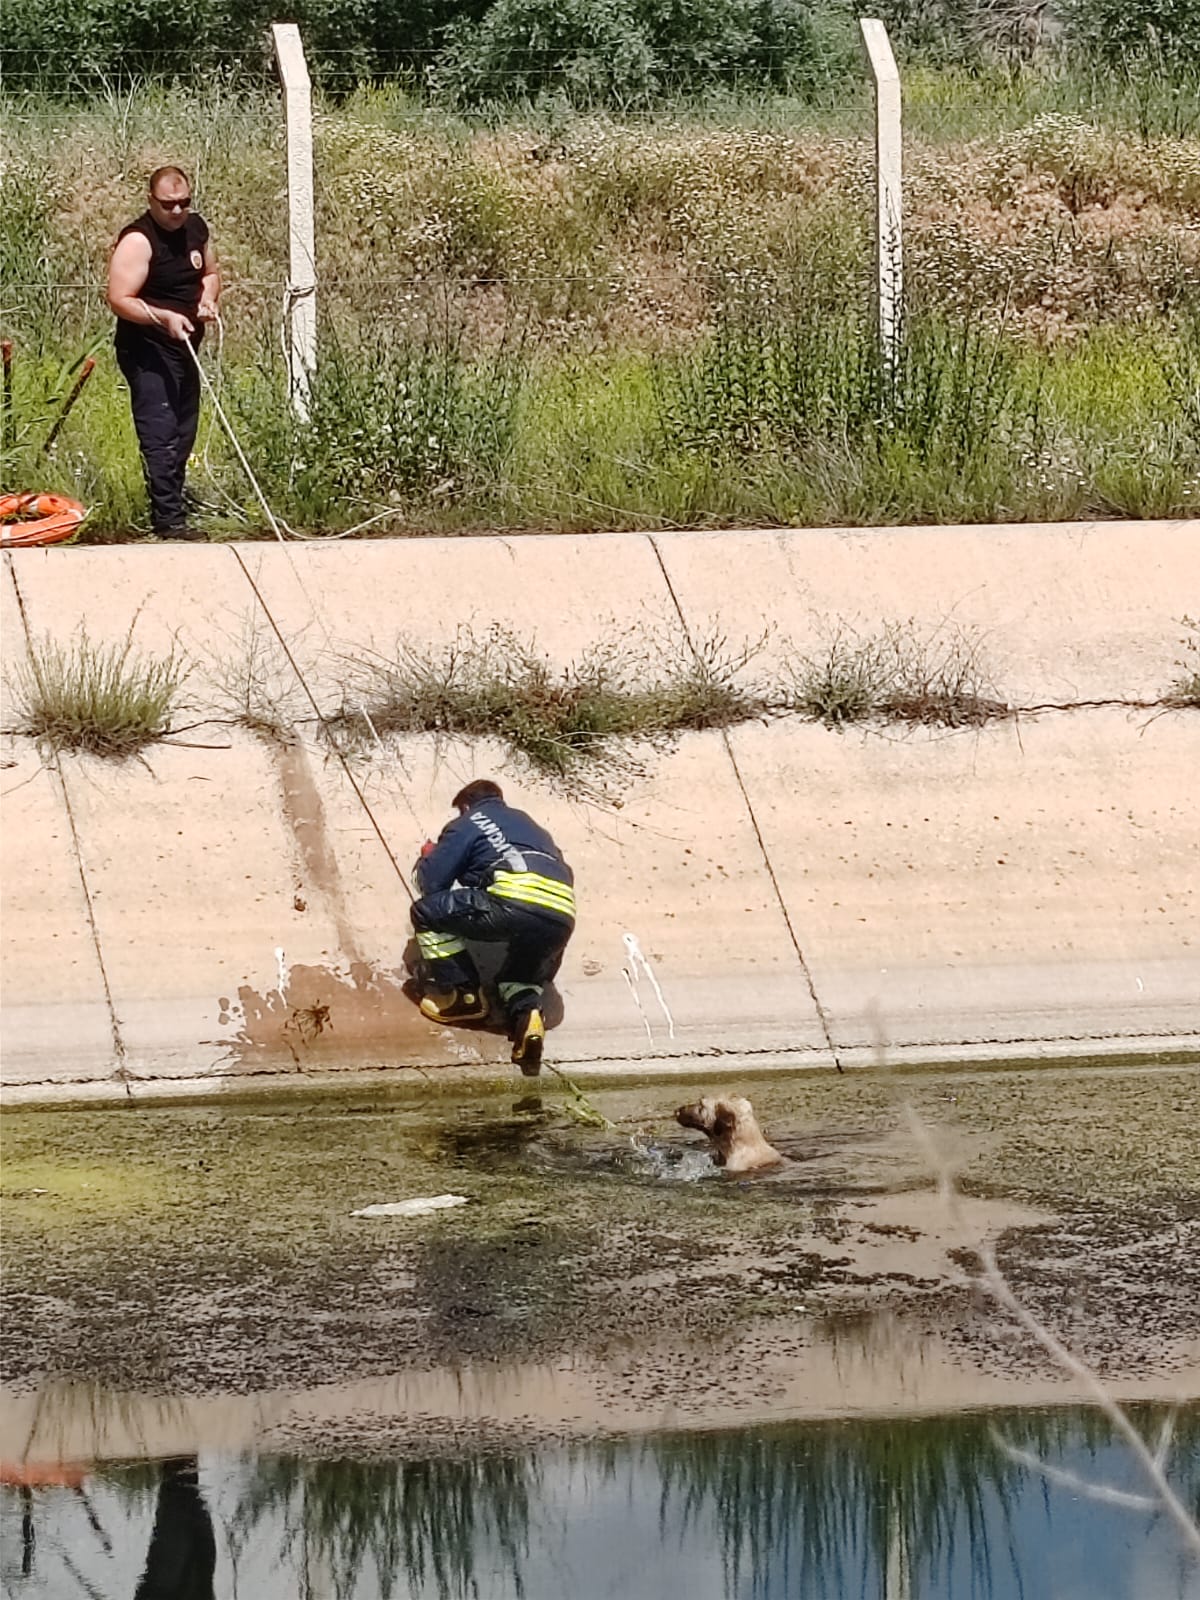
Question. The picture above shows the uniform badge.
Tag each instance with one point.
(197, 260)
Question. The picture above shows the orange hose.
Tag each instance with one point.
(35, 519)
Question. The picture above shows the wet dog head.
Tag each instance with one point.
(738, 1143)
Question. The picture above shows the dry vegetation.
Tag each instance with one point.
(524, 322)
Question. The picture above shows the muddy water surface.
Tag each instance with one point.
(615, 1369)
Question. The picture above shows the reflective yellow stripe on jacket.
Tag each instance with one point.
(532, 889)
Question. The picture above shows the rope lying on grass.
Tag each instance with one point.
(278, 526)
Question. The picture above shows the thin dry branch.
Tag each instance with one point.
(996, 1284)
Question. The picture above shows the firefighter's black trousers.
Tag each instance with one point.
(535, 939)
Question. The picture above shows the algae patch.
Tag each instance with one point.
(51, 1193)
(213, 1247)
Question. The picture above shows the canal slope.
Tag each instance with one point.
(232, 905)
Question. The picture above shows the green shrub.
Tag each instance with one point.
(592, 51)
(1162, 34)
(936, 30)
(345, 40)
(389, 421)
(780, 375)
(625, 52)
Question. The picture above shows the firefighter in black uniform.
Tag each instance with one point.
(163, 285)
(514, 888)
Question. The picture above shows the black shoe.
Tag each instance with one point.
(527, 1050)
(459, 1005)
(182, 531)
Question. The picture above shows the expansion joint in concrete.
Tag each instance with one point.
(822, 1018)
(119, 1053)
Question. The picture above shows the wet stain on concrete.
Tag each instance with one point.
(324, 1016)
(304, 814)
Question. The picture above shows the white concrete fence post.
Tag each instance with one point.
(889, 186)
(300, 307)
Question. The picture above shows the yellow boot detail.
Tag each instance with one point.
(460, 1005)
(527, 1051)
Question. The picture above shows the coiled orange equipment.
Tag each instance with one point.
(33, 519)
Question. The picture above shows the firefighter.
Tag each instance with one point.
(513, 887)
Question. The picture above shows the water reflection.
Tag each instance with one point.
(181, 1561)
(915, 1508)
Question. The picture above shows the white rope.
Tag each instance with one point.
(234, 441)
(214, 483)
(276, 523)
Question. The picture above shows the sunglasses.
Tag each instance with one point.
(172, 205)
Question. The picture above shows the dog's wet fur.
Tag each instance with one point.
(737, 1140)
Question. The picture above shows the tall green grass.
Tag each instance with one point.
(758, 422)
(574, 322)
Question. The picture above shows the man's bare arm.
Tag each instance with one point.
(210, 285)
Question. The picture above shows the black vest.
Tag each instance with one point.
(176, 271)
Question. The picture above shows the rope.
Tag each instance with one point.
(231, 504)
(276, 523)
(234, 441)
(276, 527)
(323, 720)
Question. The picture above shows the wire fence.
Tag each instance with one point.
(338, 71)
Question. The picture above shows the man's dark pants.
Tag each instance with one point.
(535, 940)
(164, 388)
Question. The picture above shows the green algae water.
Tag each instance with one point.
(1005, 1506)
(614, 1370)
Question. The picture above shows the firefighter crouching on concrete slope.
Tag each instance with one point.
(514, 888)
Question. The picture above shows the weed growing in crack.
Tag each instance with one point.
(254, 682)
(1185, 690)
(842, 683)
(901, 673)
(579, 724)
(938, 678)
(582, 724)
(105, 700)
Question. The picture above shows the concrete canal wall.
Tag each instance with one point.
(224, 907)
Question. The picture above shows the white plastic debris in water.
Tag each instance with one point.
(413, 1208)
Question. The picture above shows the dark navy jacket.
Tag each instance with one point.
(500, 849)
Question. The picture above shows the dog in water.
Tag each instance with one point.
(738, 1143)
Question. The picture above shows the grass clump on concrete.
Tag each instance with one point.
(937, 678)
(1185, 690)
(103, 700)
(577, 723)
(582, 723)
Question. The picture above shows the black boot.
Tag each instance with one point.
(455, 1005)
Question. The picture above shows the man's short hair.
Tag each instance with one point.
(167, 172)
(475, 791)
